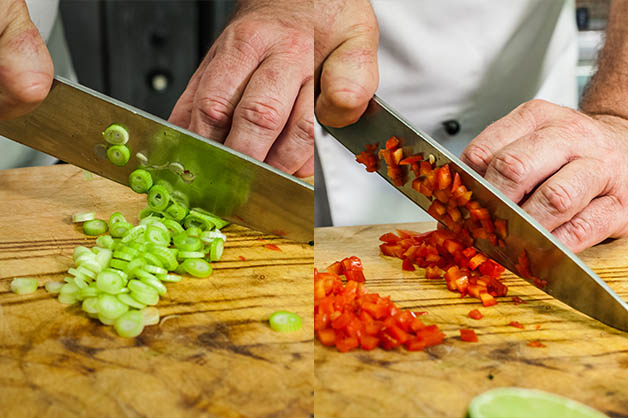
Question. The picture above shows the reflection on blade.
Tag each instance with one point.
(69, 125)
(568, 278)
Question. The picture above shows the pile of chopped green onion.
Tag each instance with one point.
(120, 279)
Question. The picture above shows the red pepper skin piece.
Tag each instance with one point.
(389, 238)
(242, 258)
(517, 300)
(536, 344)
(392, 143)
(411, 159)
(516, 324)
(475, 314)
(468, 335)
(272, 247)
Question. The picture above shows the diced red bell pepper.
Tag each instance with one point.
(468, 335)
(516, 324)
(475, 314)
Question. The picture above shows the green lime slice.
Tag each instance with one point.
(525, 403)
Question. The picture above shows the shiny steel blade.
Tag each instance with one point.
(69, 126)
(568, 278)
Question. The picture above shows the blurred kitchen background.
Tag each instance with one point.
(141, 52)
(144, 52)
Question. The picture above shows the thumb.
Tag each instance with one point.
(26, 68)
(349, 78)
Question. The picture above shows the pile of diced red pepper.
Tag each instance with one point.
(441, 254)
(347, 316)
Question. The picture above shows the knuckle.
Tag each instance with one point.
(510, 167)
(304, 131)
(579, 229)
(477, 155)
(558, 199)
(263, 114)
(216, 111)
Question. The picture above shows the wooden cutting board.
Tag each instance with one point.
(584, 359)
(213, 354)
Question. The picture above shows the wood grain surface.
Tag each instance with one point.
(584, 359)
(213, 354)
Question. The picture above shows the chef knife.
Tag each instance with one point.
(69, 125)
(568, 278)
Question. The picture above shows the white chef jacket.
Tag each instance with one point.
(44, 14)
(469, 61)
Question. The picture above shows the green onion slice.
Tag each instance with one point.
(95, 227)
(116, 134)
(118, 155)
(216, 248)
(197, 267)
(150, 315)
(126, 299)
(24, 285)
(110, 307)
(158, 198)
(284, 321)
(140, 181)
(130, 325)
(54, 286)
(83, 217)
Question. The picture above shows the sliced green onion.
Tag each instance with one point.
(173, 226)
(155, 270)
(83, 217)
(103, 258)
(118, 229)
(54, 286)
(130, 325)
(133, 266)
(116, 134)
(216, 248)
(110, 282)
(110, 307)
(140, 181)
(126, 299)
(116, 217)
(67, 298)
(171, 278)
(158, 198)
(143, 293)
(95, 227)
(156, 235)
(24, 285)
(119, 264)
(197, 267)
(90, 305)
(118, 155)
(194, 232)
(88, 292)
(284, 321)
(105, 241)
(186, 243)
(146, 212)
(134, 233)
(150, 315)
(80, 251)
(198, 221)
(152, 259)
(190, 254)
(105, 320)
(149, 279)
(209, 236)
(218, 222)
(177, 211)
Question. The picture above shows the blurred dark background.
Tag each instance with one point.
(141, 52)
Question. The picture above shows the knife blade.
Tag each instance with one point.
(69, 125)
(568, 278)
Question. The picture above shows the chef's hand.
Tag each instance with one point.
(254, 89)
(565, 168)
(25, 65)
(346, 40)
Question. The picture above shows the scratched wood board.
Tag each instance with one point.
(213, 354)
(583, 359)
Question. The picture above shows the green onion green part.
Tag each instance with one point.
(23, 285)
(116, 134)
(284, 321)
(118, 155)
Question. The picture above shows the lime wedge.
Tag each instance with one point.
(526, 403)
